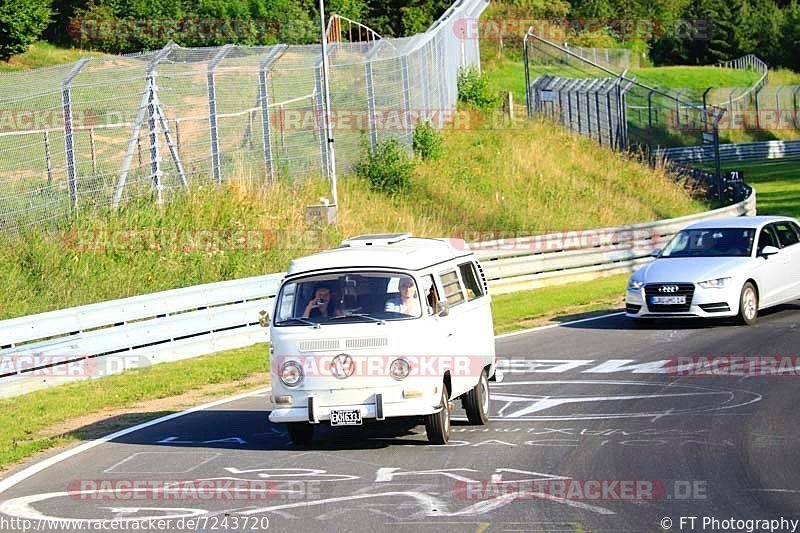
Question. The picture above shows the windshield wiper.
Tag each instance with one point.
(360, 315)
(299, 319)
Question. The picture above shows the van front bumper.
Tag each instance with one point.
(313, 409)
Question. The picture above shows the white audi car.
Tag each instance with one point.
(728, 267)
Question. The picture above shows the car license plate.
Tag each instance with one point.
(668, 300)
(346, 417)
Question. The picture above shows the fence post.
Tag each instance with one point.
(47, 159)
(152, 126)
(425, 77)
(91, 147)
(758, 118)
(794, 106)
(263, 99)
(370, 82)
(320, 114)
(216, 171)
(69, 142)
(778, 106)
(407, 96)
(525, 58)
(135, 142)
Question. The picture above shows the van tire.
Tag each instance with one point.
(301, 433)
(437, 425)
(476, 402)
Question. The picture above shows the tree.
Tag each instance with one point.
(21, 23)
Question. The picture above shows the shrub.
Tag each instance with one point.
(388, 167)
(427, 142)
(21, 23)
(473, 88)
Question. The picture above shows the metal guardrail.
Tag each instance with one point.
(106, 338)
(732, 152)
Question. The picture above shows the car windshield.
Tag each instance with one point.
(711, 242)
(344, 298)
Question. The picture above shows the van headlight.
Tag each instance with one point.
(719, 283)
(399, 369)
(635, 284)
(291, 374)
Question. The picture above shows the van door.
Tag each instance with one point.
(455, 329)
(477, 319)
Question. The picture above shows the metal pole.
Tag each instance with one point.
(407, 97)
(47, 159)
(371, 119)
(327, 104)
(152, 125)
(650, 109)
(265, 64)
(216, 171)
(319, 104)
(91, 147)
(794, 106)
(527, 76)
(69, 142)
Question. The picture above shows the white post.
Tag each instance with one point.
(327, 96)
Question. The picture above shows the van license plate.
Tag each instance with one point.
(668, 300)
(346, 417)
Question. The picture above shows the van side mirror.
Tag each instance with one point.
(768, 251)
(445, 309)
(656, 252)
(263, 319)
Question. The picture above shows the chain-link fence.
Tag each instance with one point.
(648, 118)
(109, 129)
(616, 58)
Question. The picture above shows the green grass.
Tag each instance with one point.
(25, 418)
(28, 420)
(42, 54)
(521, 309)
(777, 185)
(493, 179)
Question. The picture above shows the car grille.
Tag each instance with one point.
(683, 289)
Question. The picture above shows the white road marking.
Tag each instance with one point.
(47, 463)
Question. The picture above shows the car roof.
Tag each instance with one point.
(738, 222)
(396, 251)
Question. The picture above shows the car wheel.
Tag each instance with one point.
(301, 433)
(476, 402)
(748, 305)
(437, 425)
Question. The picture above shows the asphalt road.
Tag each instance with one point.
(578, 407)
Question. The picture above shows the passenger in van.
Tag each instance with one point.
(320, 305)
(408, 302)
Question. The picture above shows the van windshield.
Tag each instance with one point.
(343, 298)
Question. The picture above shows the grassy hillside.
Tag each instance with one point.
(521, 178)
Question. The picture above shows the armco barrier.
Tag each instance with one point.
(733, 152)
(199, 320)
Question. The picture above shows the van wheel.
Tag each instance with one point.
(437, 425)
(301, 432)
(476, 402)
(748, 305)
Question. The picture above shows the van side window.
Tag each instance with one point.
(452, 288)
(471, 282)
(430, 294)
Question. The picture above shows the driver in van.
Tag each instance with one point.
(408, 303)
(320, 305)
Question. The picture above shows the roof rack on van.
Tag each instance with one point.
(376, 240)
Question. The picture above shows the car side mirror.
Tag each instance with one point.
(656, 252)
(445, 310)
(263, 319)
(768, 251)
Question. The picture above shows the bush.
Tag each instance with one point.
(473, 89)
(388, 168)
(427, 142)
(21, 23)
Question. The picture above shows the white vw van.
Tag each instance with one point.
(382, 326)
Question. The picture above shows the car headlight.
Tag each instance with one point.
(719, 283)
(399, 369)
(291, 374)
(635, 284)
